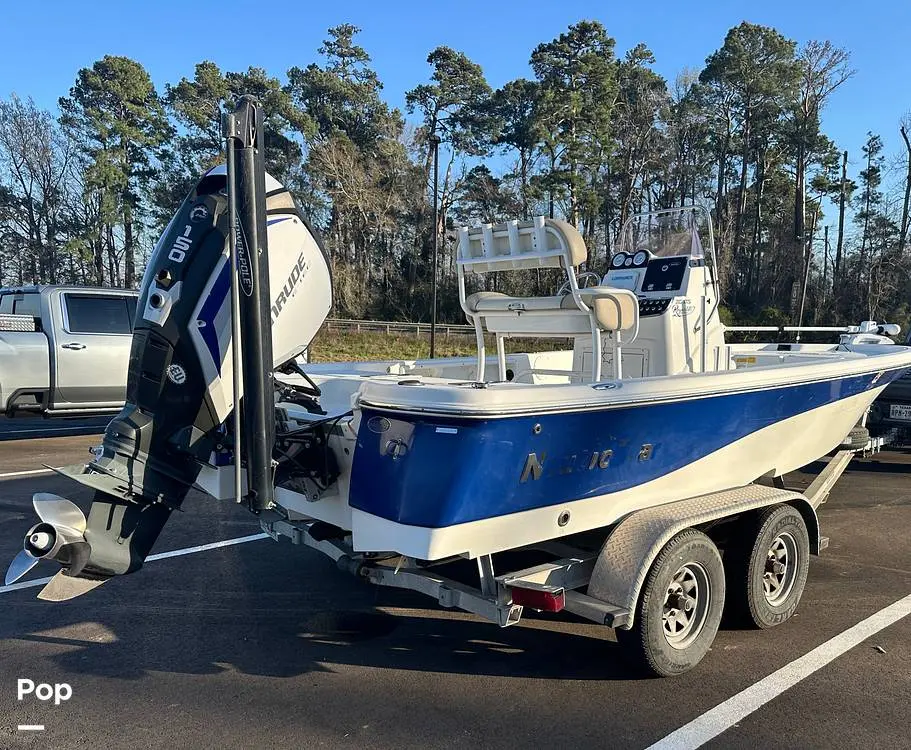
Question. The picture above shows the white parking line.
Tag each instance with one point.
(87, 429)
(727, 714)
(205, 547)
(151, 558)
(29, 473)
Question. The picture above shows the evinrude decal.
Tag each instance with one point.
(179, 249)
(244, 264)
(297, 273)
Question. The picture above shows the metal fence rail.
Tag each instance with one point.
(393, 326)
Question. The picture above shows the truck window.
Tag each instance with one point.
(26, 303)
(98, 314)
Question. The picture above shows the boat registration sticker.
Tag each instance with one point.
(900, 411)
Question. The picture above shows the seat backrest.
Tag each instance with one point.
(513, 245)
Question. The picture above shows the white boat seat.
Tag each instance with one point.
(613, 309)
(540, 243)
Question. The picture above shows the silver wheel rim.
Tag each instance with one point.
(782, 559)
(686, 605)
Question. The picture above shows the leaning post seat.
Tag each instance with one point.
(540, 243)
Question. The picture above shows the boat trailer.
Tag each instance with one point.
(596, 576)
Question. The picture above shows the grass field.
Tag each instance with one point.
(338, 346)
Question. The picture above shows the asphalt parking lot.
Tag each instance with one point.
(268, 645)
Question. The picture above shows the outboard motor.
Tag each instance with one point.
(180, 384)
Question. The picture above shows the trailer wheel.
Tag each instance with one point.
(768, 574)
(679, 607)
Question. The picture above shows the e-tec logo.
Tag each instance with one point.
(181, 245)
(199, 213)
(287, 292)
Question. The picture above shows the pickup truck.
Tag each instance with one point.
(64, 350)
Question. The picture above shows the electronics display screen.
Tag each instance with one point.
(664, 274)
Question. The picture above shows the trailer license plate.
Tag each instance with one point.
(900, 411)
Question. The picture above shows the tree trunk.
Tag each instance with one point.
(825, 261)
(719, 191)
(744, 163)
(800, 196)
(550, 192)
(868, 195)
(523, 182)
(755, 260)
(129, 257)
(112, 261)
(839, 245)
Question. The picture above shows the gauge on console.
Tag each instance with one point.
(640, 258)
(618, 260)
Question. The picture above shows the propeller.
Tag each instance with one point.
(59, 536)
(59, 511)
(21, 564)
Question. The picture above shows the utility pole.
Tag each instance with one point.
(435, 145)
(825, 261)
(906, 203)
(842, 194)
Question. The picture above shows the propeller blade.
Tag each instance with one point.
(63, 587)
(21, 564)
(58, 511)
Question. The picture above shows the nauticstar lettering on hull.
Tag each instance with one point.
(534, 466)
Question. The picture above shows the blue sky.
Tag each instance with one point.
(46, 43)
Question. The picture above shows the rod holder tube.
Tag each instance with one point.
(247, 193)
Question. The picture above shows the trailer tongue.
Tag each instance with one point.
(181, 387)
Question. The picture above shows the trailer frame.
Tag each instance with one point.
(612, 574)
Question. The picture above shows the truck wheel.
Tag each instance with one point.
(767, 575)
(679, 607)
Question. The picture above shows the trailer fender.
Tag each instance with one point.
(633, 544)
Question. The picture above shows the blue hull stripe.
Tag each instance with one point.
(471, 468)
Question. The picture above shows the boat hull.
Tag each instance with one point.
(432, 486)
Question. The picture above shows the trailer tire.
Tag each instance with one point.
(679, 607)
(768, 573)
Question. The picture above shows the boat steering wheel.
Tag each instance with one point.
(583, 281)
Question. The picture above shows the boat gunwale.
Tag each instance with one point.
(612, 387)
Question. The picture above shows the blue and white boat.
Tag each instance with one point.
(648, 428)
(468, 457)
